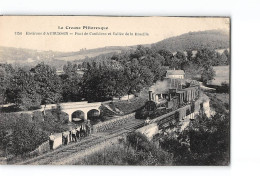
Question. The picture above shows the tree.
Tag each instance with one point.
(70, 83)
(23, 91)
(137, 77)
(209, 140)
(178, 61)
(223, 59)
(205, 58)
(167, 56)
(92, 83)
(49, 83)
(208, 74)
(189, 55)
(25, 136)
(139, 52)
(103, 82)
(154, 65)
(71, 87)
(174, 146)
(227, 54)
(114, 83)
(6, 74)
(220, 60)
(69, 68)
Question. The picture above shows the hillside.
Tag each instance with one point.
(29, 57)
(213, 39)
(90, 53)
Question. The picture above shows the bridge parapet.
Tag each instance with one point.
(79, 105)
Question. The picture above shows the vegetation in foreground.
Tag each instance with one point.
(21, 133)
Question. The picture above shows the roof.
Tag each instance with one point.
(175, 72)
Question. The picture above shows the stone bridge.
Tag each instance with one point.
(72, 107)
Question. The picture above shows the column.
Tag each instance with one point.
(70, 116)
(85, 115)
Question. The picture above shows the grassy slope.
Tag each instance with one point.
(133, 104)
(222, 75)
(219, 101)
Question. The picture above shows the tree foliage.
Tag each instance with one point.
(207, 74)
(112, 75)
(23, 90)
(49, 84)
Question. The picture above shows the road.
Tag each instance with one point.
(73, 152)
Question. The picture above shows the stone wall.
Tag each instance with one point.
(45, 147)
(111, 123)
(149, 130)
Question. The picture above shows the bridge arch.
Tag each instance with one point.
(78, 116)
(93, 114)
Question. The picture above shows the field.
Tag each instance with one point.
(222, 75)
(82, 56)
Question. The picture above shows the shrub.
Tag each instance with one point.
(26, 117)
(140, 142)
(26, 137)
(20, 134)
(38, 116)
(224, 88)
(173, 146)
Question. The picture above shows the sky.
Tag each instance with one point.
(153, 29)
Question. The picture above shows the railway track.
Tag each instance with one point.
(74, 151)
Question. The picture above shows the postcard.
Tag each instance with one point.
(115, 90)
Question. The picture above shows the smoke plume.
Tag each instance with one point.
(160, 86)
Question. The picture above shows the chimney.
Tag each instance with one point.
(150, 95)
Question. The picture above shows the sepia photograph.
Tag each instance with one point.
(115, 90)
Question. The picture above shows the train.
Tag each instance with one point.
(176, 94)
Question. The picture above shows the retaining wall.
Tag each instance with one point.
(45, 147)
(111, 123)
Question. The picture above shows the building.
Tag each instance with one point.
(60, 72)
(175, 74)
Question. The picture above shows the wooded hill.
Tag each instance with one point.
(212, 39)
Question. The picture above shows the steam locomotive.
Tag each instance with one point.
(168, 99)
